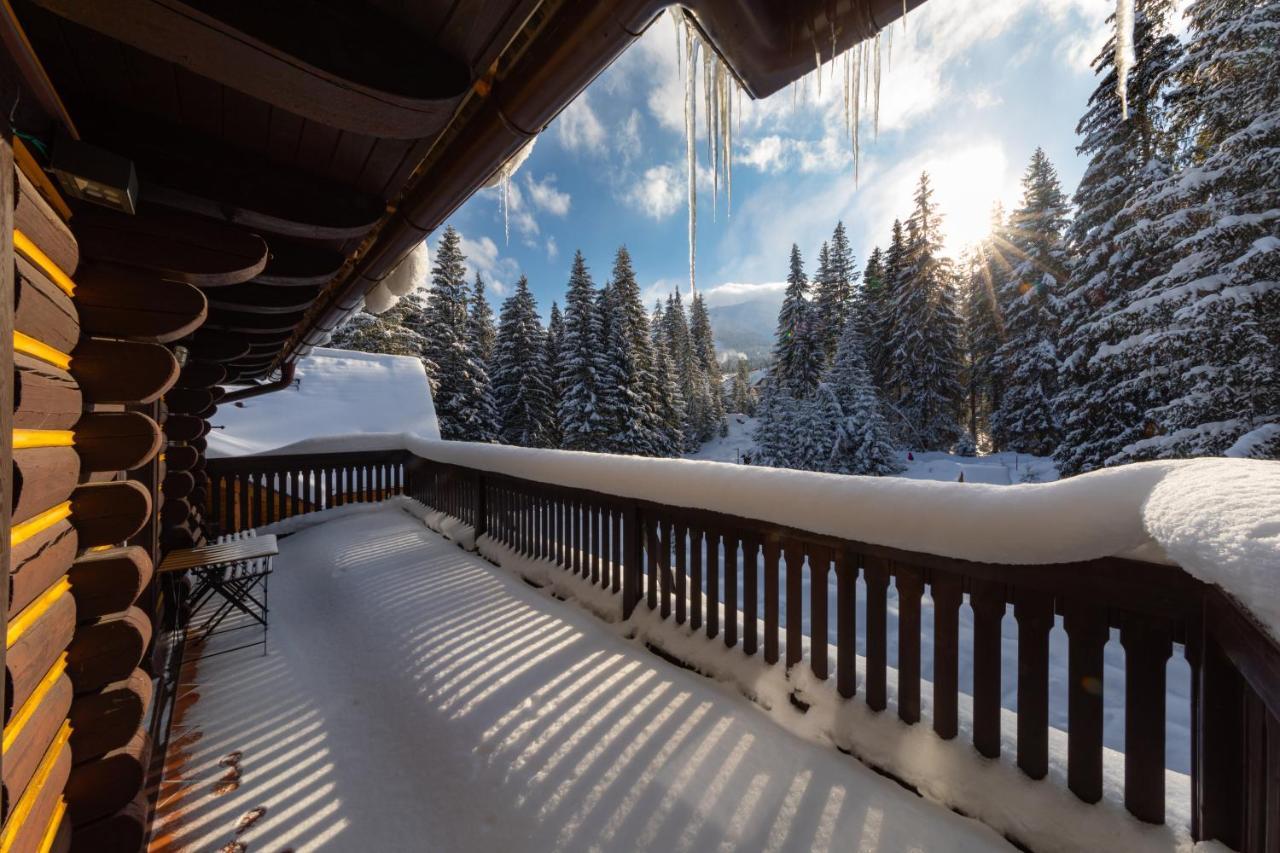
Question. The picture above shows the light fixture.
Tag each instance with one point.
(93, 174)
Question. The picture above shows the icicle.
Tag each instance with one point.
(1124, 53)
(691, 154)
(877, 85)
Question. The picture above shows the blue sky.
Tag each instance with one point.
(973, 87)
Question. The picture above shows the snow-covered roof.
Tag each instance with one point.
(338, 393)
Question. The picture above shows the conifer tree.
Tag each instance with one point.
(776, 429)
(707, 377)
(675, 337)
(742, 397)
(670, 405)
(1099, 405)
(521, 386)
(813, 439)
(552, 370)
(886, 331)
(1027, 360)
(1206, 326)
(862, 442)
(923, 362)
(628, 383)
(398, 331)
(481, 328)
(797, 358)
(834, 295)
(580, 416)
(463, 397)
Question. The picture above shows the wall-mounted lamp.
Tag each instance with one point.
(93, 174)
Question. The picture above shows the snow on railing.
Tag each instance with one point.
(762, 561)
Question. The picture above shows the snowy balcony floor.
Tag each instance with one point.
(415, 697)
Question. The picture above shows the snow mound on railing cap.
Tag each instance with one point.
(1220, 520)
(1217, 518)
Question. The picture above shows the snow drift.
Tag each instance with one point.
(339, 392)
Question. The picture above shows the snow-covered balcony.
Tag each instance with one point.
(1057, 663)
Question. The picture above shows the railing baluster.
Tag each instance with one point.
(713, 582)
(876, 572)
(1034, 612)
(651, 559)
(846, 623)
(947, 591)
(750, 594)
(664, 566)
(910, 584)
(819, 567)
(593, 519)
(1086, 626)
(615, 541)
(696, 599)
(632, 557)
(772, 551)
(794, 608)
(730, 588)
(1146, 654)
(679, 541)
(987, 600)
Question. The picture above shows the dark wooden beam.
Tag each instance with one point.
(263, 298)
(185, 170)
(342, 65)
(294, 264)
(175, 246)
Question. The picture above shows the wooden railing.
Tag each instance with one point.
(250, 491)
(686, 563)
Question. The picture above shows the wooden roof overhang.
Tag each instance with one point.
(294, 152)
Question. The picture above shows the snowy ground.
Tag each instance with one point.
(337, 393)
(1001, 469)
(417, 697)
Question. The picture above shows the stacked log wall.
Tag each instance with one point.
(86, 419)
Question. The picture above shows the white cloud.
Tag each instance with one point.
(629, 144)
(983, 98)
(732, 292)
(553, 249)
(579, 128)
(545, 196)
(659, 192)
(764, 154)
(483, 256)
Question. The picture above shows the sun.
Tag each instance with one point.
(966, 183)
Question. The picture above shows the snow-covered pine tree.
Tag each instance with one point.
(521, 386)
(707, 375)
(670, 404)
(742, 397)
(1208, 323)
(460, 388)
(580, 418)
(552, 370)
(923, 362)
(983, 328)
(675, 335)
(1028, 359)
(1100, 403)
(628, 384)
(777, 413)
(393, 332)
(816, 429)
(886, 330)
(483, 332)
(797, 358)
(821, 288)
(834, 292)
(862, 443)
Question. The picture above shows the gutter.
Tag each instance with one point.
(285, 380)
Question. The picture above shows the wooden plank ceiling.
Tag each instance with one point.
(291, 122)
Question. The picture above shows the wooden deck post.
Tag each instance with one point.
(6, 358)
(632, 561)
(480, 508)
